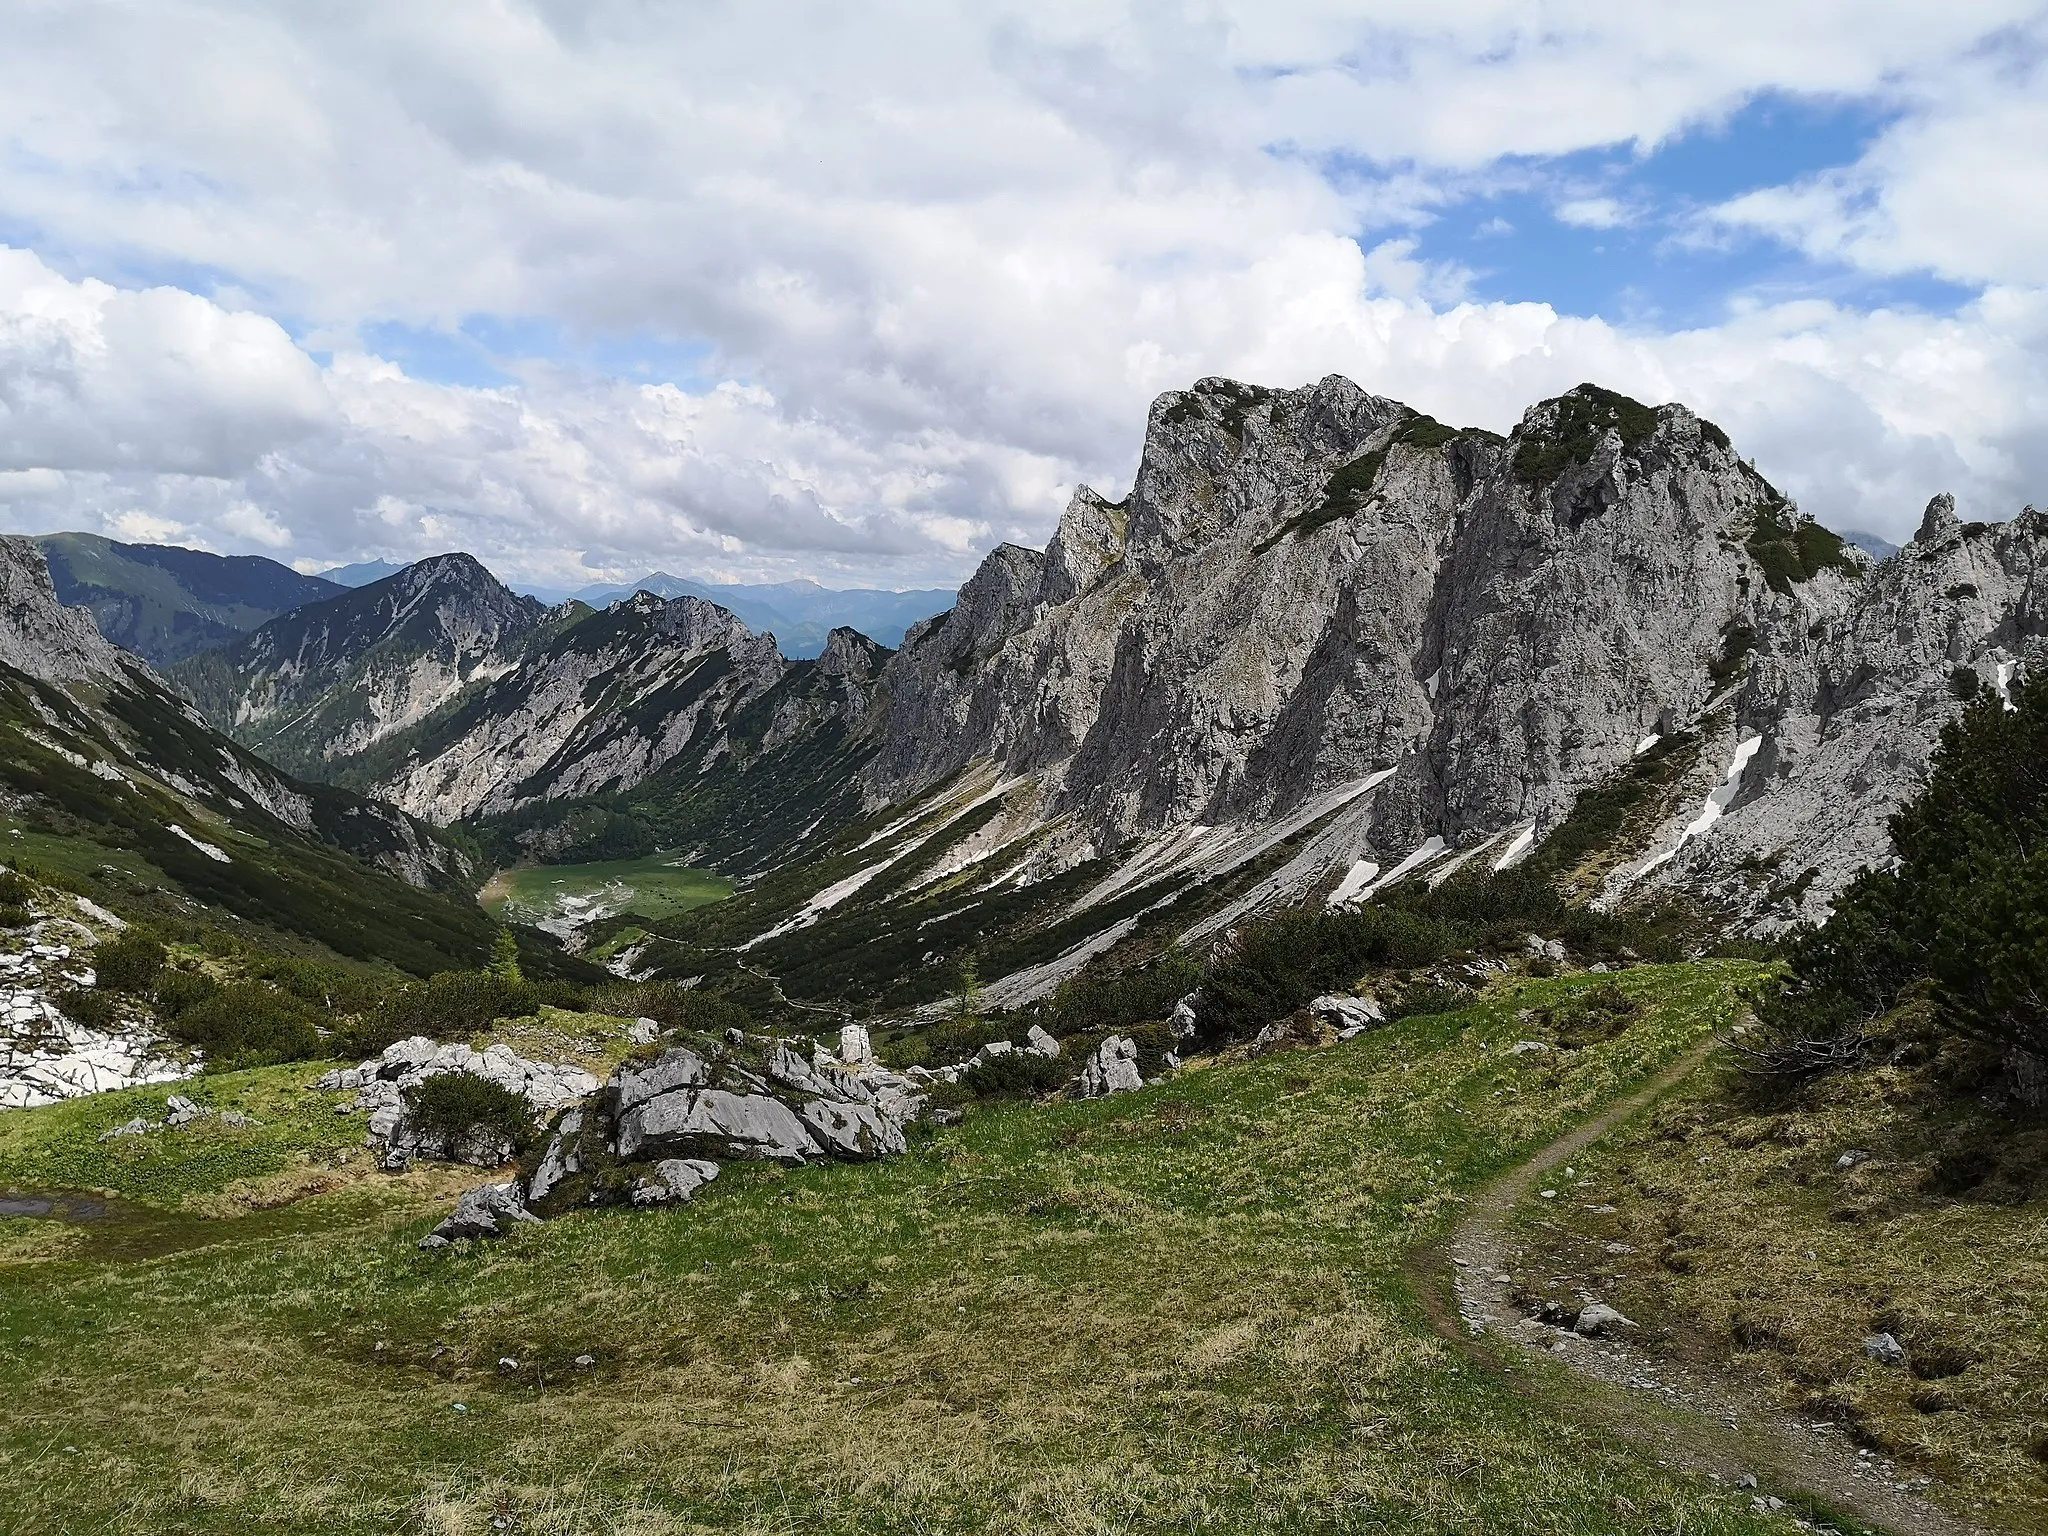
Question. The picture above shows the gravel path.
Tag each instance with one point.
(1693, 1419)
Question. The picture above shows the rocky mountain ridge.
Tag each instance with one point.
(1318, 592)
(103, 762)
(319, 685)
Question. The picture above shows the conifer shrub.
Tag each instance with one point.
(130, 962)
(671, 1005)
(455, 1104)
(248, 1024)
(449, 1006)
(1963, 914)
(1017, 1075)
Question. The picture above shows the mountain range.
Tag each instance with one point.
(1325, 643)
(165, 603)
(108, 773)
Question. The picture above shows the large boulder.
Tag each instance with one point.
(489, 1210)
(716, 1124)
(1113, 1068)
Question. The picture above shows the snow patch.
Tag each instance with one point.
(1355, 880)
(1517, 850)
(1407, 866)
(1718, 800)
(218, 855)
(821, 903)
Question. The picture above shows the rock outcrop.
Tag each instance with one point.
(381, 1087)
(1315, 603)
(321, 684)
(661, 1125)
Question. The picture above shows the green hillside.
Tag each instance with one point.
(165, 603)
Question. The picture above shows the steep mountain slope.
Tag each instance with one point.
(315, 688)
(104, 770)
(165, 603)
(1318, 593)
(658, 712)
(800, 614)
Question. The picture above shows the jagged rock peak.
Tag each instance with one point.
(1939, 521)
(41, 637)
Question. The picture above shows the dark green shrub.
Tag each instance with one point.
(248, 1024)
(949, 1040)
(1274, 967)
(1092, 1002)
(84, 1005)
(14, 890)
(671, 1005)
(455, 1103)
(15, 917)
(1017, 1075)
(176, 990)
(129, 963)
(450, 1006)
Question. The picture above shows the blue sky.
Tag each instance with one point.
(853, 294)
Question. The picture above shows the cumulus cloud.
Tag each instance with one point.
(935, 260)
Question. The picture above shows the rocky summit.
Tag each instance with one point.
(1319, 592)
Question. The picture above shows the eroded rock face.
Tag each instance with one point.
(1113, 1068)
(1313, 589)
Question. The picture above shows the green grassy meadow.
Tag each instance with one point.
(656, 886)
(1178, 1310)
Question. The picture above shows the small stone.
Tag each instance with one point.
(507, 1363)
(1851, 1159)
(1885, 1349)
(1037, 1041)
(1747, 1480)
(585, 1362)
(1597, 1319)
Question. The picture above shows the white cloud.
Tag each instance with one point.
(940, 257)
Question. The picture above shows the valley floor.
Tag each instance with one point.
(1181, 1309)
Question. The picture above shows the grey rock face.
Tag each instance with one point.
(674, 1180)
(489, 1210)
(677, 1067)
(41, 637)
(855, 1132)
(1037, 1041)
(316, 686)
(1113, 1068)
(608, 705)
(1314, 589)
(714, 1124)
(562, 1159)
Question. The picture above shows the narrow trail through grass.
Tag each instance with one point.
(1693, 1418)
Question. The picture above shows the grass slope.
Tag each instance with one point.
(1179, 1310)
(1750, 1248)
